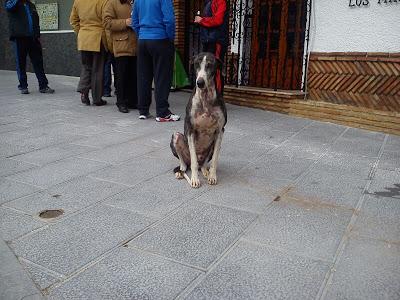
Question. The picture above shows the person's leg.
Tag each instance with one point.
(21, 50)
(114, 71)
(107, 76)
(131, 83)
(144, 77)
(163, 62)
(97, 76)
(121, 77)
(36, 56)
(84, 85)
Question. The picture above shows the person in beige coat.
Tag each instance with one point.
(86, 20)
(117, 19)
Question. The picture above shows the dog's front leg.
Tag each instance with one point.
(194, 165)
(212, 177)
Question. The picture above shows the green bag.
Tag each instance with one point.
(180, 78)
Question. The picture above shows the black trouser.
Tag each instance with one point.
(24, 46)
(219, 51)
(155, 59)
(92, 73)
(126, 81)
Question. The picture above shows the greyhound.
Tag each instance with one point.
(205, 120)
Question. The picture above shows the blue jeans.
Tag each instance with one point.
(107, 78)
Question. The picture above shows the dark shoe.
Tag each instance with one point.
(101, 103)
(123, 109)
(132, 106)
(145, 116)
(24, 91)
(85, 99)
(46, 90)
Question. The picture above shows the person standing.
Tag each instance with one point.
(117, 19)
(25, 36)
(154, 23)
(86, 20)
(214, 33)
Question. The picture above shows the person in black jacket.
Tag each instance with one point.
(25, 33)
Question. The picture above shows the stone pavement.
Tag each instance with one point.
(303, 209)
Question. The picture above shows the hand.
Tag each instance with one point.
(128, 22)
(197, 19)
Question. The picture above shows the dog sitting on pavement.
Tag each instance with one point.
(205, 120)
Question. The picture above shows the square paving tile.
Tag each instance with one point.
(14, 224)
(69, 196)
(128, 274)
(73, 242)
(238, 195)
(51, 154)
(117, 154)
(10, 190)
(58, 172)
(106, 139)
(368, 269)
(155, 197)
(379, 218)
(10, 166)
(258, 272)
(310, 229)
(197, 234)
(336, 188)
(42, 277)
(136, 171)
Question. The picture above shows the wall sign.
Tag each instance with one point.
(48, 16)
(366, 3)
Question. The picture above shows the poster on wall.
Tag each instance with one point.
(48, 16)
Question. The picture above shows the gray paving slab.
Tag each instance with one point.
(379, 218)
(305, 228)
(10, 190)
(238, 195)
(368, 269)
(73, 242)
(106, 139)
(355, 133)
(319, 133)
(14, 281)
(269, 137)
(155, 197)
(244, 149)
(70, 196)
(197, 234)
(128, 274)
(362, 146)
(275, 171)
(48, 155)
(336, 188)
(296, 149)
(40, 276)
(390, 160)
(386, 183)
(392, 143)
(259, 272)
(14, 224)
(57, 172)
(10, 166)
(11, 149)
(289, 123)
(136, 171)
(117, 154)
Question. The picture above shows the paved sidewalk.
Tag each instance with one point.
(303, 209)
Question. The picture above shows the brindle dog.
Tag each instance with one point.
(204, 125)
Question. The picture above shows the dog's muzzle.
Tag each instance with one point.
(200, 83)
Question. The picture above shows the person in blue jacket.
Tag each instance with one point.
(25, 33)
(154, 24)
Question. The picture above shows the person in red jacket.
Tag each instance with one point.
(214, 32)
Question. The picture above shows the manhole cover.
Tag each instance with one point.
(50, 213)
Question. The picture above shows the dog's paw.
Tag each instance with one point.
(195, 182)
(205, 172)
(212, 179)
(179, 175)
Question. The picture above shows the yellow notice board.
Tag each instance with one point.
(48, 15)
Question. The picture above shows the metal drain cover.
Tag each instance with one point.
(51, 213)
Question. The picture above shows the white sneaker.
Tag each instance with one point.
(169, 118)
(145, 117)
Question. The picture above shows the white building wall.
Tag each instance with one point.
(336, 27)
